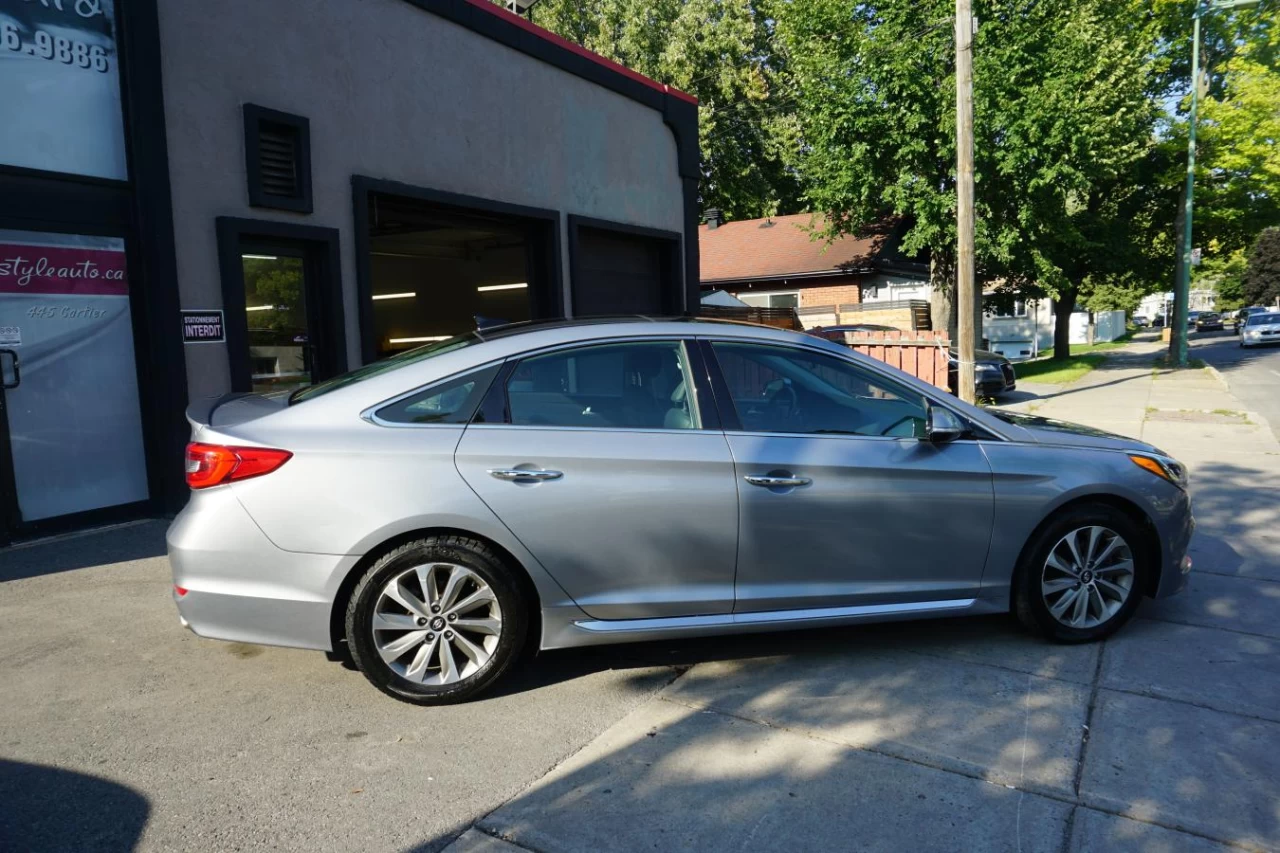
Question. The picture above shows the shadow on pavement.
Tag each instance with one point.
(83, 550)
(49, 809)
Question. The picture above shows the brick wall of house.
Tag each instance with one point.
(846, 293)
(898, 318)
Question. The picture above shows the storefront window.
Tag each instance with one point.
(60, 79)
(70, 395)
(276, 316)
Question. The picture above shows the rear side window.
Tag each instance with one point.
(643, 385)
(452, 401)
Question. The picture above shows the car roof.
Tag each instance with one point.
(524, 327)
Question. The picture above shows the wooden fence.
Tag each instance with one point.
(922, 354)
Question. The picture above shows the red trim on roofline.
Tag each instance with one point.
(547, 35)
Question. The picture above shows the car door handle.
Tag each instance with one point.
(518, 474)
(775, 482)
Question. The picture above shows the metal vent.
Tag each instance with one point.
(278, 159)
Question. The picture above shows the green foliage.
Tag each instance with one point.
(1261, 283)
(1224, 274)
(1114, 296)
(1237, 190)
(720, 52)
(1062, 117)
(1058, 371)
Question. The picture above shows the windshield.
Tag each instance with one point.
(1263, 319)
(378, 368)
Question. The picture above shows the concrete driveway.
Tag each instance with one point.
(117, 728)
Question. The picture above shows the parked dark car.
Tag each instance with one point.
(993, 374)
(1208, 321)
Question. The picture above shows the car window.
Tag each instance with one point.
(1263, 319)
(452, 401)
(643, 385)
(378, 368)
(783, 389)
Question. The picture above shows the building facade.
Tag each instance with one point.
(250, 196)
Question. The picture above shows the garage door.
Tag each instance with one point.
(619, 273)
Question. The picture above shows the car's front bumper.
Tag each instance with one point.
(1175, 527)
(232, 583)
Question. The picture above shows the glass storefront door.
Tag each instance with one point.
(70, 423)
(275, 296)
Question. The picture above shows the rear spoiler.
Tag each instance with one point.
(230, 409)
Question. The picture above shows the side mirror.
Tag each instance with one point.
(942, 425)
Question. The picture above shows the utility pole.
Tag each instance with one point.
(965, 296)
(1182, 290)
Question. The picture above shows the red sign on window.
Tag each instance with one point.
(71, 270)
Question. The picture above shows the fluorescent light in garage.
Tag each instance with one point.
(422, 340)
(259, 307)
(408, 295)
(260, 257)
(490, 287)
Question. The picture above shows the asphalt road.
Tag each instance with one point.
(1253, 374)
(119, 730)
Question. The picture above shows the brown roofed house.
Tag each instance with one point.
(778, 262)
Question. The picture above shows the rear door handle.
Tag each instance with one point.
(17, 370)
(775, 482)
(518, 474)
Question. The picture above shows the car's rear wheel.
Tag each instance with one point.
(1082, 575)
(437, 620)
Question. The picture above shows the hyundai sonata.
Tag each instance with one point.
(575, 483)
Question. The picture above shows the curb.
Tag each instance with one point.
(1216, 374)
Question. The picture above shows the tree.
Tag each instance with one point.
(719, 51)
(1061, 115)
(1261, 283)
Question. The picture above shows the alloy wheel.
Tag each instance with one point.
(437, 623)
(1088, 576)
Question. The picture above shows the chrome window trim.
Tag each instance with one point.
(606, 430)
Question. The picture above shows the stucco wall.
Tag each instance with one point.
(391, 92)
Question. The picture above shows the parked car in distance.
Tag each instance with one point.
(587, 482)
(1208, 321)
(1139, 321)
(993, 373)
(1261, 329)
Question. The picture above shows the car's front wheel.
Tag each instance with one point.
(436, 620)
(1082, 575)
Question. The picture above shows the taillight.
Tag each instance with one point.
(212, 464)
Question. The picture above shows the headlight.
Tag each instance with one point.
(986, 370)
(1162, 466)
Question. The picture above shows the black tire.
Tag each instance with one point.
(1029, 603)
(459, 550)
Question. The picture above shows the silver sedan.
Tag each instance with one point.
(576, 483)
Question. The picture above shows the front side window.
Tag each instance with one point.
(643, 385)
(452, 401)
(783, 389)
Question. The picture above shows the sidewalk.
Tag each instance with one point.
(970, 734)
